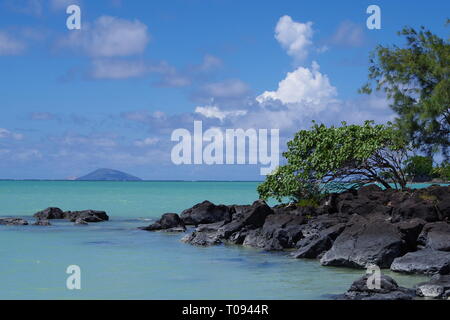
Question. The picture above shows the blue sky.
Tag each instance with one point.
(110, 94)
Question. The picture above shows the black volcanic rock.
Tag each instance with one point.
(436, 236)
(438, 287)
(13, 222)
(86, 215)
(170, 222)
(362, 244)
(426, 261)
(49, 213)
(42, 223)
(108, 175)
(204, 213)
(389, 290)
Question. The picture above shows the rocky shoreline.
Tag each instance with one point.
(405, 231)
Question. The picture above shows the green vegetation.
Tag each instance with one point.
(418, 167)
(417, 79)
(442, 172)
(325, 159)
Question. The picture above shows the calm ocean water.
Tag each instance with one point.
(118, 261)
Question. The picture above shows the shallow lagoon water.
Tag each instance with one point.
(118, 261)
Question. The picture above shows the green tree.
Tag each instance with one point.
(443, 171)
(419, 167)
(416, 79)
(324, 159)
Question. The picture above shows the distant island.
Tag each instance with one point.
(108, 175)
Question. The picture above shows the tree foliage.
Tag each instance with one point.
(416, 79)
(419, 167)
(323, 159)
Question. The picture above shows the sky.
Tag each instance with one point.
(111, 94)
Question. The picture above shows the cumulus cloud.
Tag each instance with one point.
(349, 34)
(303, 85)
(109, 37)
(9, 45)
(294, 37)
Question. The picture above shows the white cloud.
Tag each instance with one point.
(209, 63)
(349, 34)
(232, 88)
(294, 37)
(117, 69)
(9, 45)
(303, 85)
(109, 37)
(146, 142)
(214, 112)
(6, 134)
(95, 141)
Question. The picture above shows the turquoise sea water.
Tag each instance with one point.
(118, 261)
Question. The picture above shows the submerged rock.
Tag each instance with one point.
(426, 261)
(389, 290)
(43, 223)
(80, 222)
(13, 222)
(169, 222)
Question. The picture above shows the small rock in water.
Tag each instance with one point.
(43, 223)
(437, 287)
(388, 290)
(169, 222)
(80, 222)
(13, 222)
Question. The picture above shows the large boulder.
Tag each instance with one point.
(280, 231)
(362, 244)
(389, 290)
(206, 212)
(13, 222)
(49, 213)
(170, 222)
(438, 287)
(411, 229)
(436, 236)
(248, 218)
(425, 261)
(314, 246)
